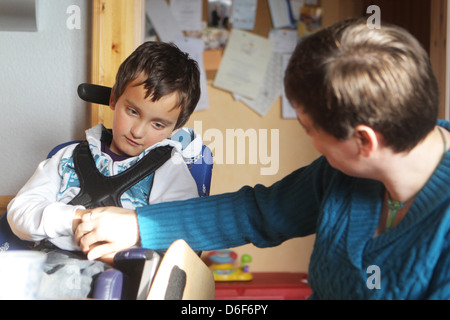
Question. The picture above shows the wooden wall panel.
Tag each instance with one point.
(4, 200)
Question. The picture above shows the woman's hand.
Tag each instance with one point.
(107, 230)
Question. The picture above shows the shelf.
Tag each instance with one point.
(266, 286)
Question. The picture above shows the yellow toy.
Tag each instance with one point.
(223, 268)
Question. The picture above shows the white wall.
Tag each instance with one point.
(39, 75)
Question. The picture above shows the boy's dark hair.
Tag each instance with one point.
(349, 74)
(166, 70)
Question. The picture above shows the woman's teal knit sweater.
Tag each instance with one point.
(412, 261)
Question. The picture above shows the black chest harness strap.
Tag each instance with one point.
(98, 190)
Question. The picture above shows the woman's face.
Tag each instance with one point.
(341, 154)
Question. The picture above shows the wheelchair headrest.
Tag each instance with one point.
(94, 93)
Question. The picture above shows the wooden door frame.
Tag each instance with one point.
(446, 111)
(439, 52)
(116, 31)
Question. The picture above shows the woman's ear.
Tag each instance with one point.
(367, 139)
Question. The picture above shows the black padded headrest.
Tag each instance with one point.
(94, 93)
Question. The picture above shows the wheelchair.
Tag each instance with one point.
(141, 273)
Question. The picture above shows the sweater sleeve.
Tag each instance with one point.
(264, 216)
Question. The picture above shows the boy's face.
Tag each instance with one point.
(139, 123)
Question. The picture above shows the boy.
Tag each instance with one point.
(157, 89)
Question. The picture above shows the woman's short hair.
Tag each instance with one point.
(350, 74)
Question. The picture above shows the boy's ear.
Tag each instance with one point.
(367, 139)
(112, 102)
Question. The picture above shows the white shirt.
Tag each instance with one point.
(40, 210)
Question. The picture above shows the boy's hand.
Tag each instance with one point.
(107, 230)
(77, 219)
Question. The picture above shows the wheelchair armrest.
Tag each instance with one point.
(131, 276)
(133, 254)
(140, 266)
(109, 285)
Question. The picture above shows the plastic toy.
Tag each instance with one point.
(223, 267)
